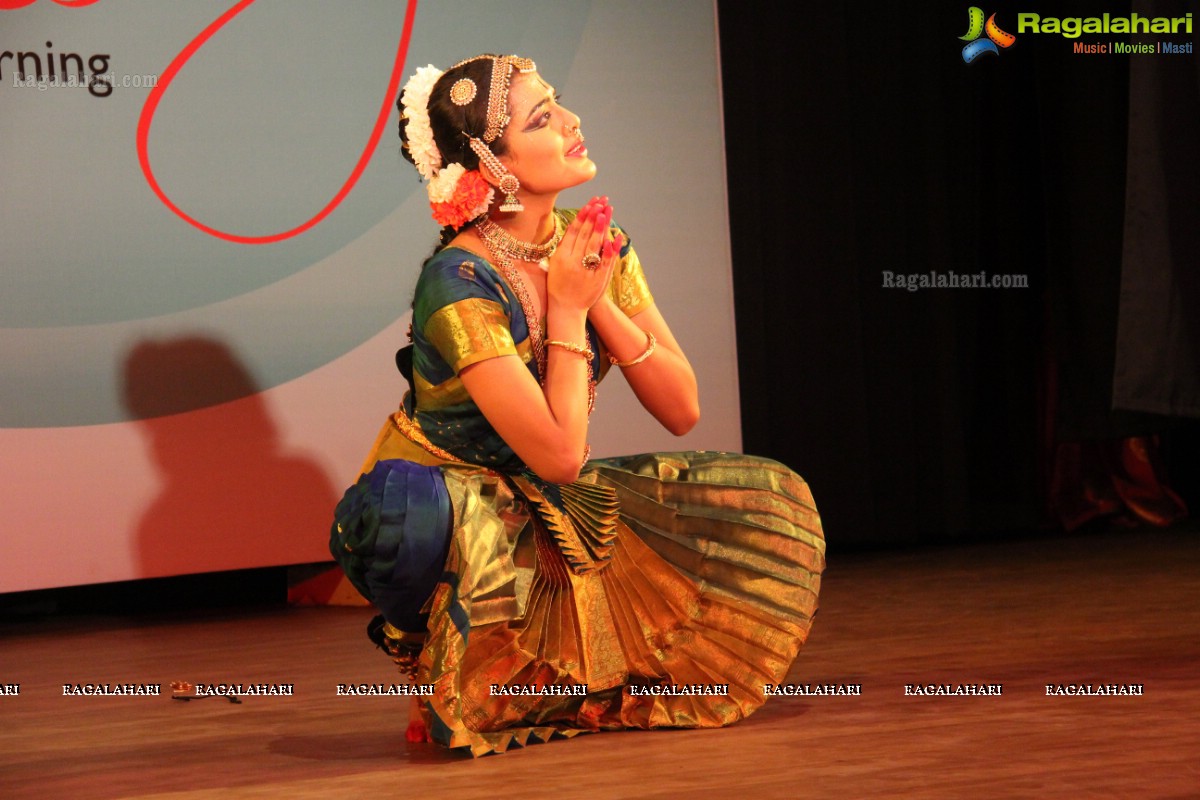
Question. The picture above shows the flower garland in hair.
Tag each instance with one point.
(456, 195)
(415, 99)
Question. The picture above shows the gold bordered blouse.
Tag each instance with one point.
(464, 312)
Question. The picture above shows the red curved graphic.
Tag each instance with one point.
(9, 5)
(164, 81)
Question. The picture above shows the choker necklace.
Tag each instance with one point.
(501, 242)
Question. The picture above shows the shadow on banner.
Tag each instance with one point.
(226, 480)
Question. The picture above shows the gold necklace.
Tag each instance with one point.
(498, 239)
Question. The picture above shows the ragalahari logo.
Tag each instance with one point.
(976, 27)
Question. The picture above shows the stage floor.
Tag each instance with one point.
(1109, 609)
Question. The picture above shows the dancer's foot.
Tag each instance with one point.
(417, 732)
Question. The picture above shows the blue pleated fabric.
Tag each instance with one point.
(391, 533)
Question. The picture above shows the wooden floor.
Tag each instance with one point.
(1101, 609)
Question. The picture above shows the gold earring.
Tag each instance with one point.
(506, 181)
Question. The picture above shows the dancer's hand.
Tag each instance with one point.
(581, 267)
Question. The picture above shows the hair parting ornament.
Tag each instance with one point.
(458, 195)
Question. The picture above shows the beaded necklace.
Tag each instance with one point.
(498, 238)
(505, 249)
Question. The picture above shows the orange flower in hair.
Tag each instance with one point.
(470, 197)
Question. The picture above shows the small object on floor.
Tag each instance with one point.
(417, 732)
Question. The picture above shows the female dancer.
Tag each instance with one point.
(536, 592)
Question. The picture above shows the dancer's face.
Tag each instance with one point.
(545, 149)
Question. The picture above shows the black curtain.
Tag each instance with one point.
(1158, 336)
(860, 144)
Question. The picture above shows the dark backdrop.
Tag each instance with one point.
(858, 141)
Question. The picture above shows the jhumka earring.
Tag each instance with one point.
(506, 181)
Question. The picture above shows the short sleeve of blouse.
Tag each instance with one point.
(629, 288)
(461, 310)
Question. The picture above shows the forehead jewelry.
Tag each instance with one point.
(497, 120)
(497, 113)
(497, 107)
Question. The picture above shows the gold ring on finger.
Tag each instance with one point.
(591, 261)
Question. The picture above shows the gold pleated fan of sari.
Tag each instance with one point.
(691, 569)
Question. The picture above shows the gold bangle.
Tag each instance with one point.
(577, 349)
(651, 343)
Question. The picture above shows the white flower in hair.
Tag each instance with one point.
(415, 100)
(458, 195)
(441, 188)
